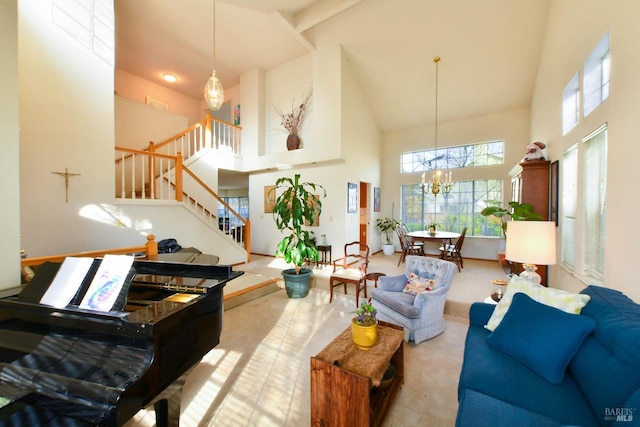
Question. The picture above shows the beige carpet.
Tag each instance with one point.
(259, 373)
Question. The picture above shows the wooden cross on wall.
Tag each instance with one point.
(66, 176)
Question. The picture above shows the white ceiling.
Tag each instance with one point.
(489, 48)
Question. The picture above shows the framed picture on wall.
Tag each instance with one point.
(553, 182)
(352, 198)
(376, 199)
(269, 198)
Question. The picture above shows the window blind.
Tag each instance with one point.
(594, 196)
(569, 203)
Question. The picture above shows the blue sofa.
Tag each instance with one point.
(600, 386)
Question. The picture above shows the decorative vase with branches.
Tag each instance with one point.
(292, 121)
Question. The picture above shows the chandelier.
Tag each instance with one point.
(213, 91)
(437, 183)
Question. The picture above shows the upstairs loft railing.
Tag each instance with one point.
(159, 173)
(210, 133)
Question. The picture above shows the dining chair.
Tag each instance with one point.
(407, 244)
(351, 268)
(454, 252)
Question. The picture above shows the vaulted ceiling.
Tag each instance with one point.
(489, 48)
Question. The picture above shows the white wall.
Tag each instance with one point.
(127, 223)
(362, 150)
(66, 122)
(137, 89)
(568, 42)
(9, 161)
(138, 124)
(345, 146)
(511, 126)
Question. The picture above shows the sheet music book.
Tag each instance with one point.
(107, 283)
(67, 281)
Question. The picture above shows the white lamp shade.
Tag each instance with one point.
(531, 242)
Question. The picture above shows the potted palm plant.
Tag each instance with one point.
(364, 327)
(296, 208)
(386, 226)
(516, 211)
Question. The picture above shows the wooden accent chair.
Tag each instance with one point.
(454, 252)
(407, 244)
(351, 268)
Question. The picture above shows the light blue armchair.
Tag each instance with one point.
(421, 315)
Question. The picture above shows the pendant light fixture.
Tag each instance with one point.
(213, 91)
(437, 183)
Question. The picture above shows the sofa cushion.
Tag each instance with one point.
(542, 338)
(563, 300)
(417, 284)
(607, 366)
(398, 301)
(476, 407)
(493, 373)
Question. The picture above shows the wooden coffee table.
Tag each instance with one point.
(345, 391)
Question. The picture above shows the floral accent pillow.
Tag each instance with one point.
(417, 284)
(557, 298)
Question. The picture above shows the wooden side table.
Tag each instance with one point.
(374, 277)
(325, 255)
(346, 387)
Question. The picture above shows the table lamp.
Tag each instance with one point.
(531, 243)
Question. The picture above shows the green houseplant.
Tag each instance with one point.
(296, 208)
(386, 226)
(364, 326)
(515, 210)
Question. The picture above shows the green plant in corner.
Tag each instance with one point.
(296, 206)
(365, 314)
(386, 226)
(515, 210)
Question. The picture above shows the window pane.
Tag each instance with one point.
(596, 75)
(472, 155)
(453, 212)
(571, 104)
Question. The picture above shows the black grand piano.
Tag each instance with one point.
(77, 367)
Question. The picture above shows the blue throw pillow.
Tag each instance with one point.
(542, 338)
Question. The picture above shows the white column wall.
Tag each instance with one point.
(9, 161)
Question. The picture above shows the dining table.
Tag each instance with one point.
(443, 237)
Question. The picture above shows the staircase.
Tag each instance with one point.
(159, 172)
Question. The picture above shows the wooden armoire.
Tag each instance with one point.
(530, 184)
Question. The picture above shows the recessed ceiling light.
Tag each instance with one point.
(171, 78)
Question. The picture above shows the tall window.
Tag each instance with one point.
(584, 182)
(571, 104)
(454, 211)
(596, 76)
(594, 186)
(569, 207)
(462, 156)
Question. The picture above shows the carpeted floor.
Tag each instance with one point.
(259, 373)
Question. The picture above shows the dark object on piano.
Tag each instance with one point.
(72, 366)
